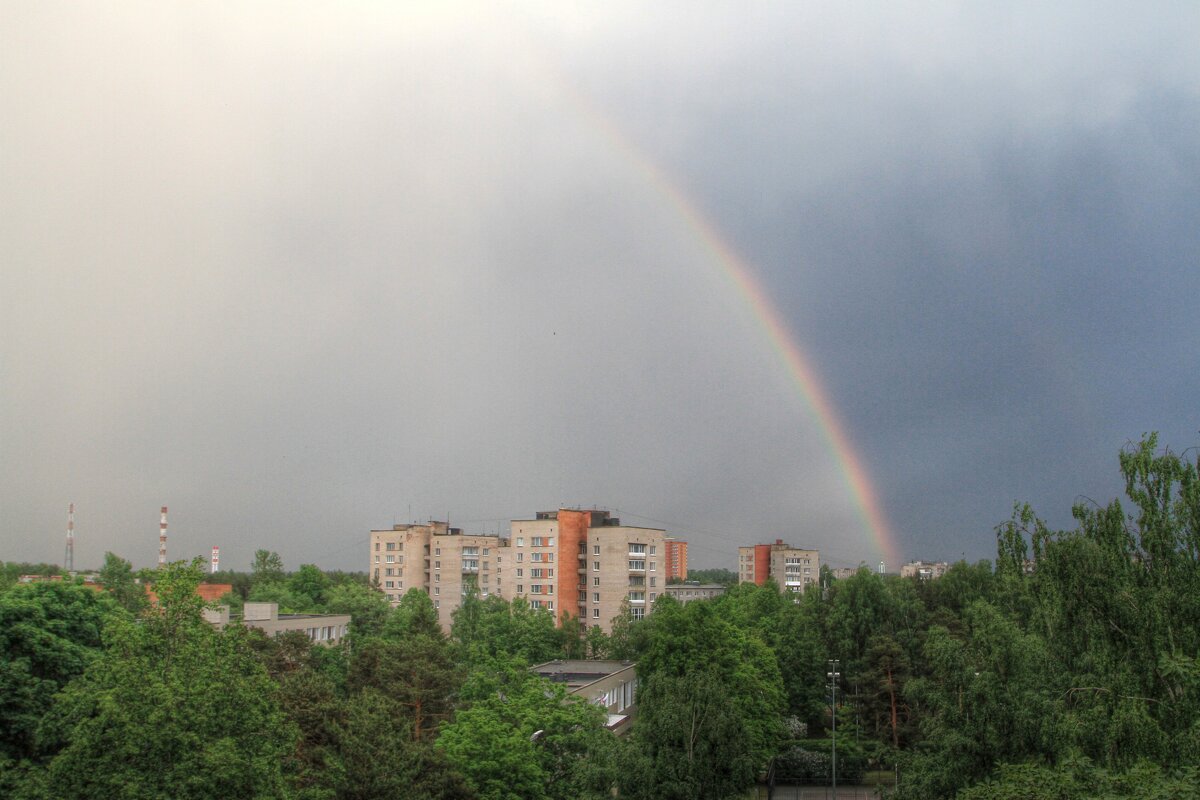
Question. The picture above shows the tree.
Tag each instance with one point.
(116, 576)
(49, 634)
(522, 737)
(416, 674)
(173, 708)
(368, 607)
(267, 567)
(415, 615)
(308, 584)
(689, 740)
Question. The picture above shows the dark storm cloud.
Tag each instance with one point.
(301, 272)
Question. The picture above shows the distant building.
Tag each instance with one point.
(676, 560)
(438, 559)
(687, 592)
(841, 573)
(571, 562)
(609, 684)
(585, 563)
(795, 569)
(328, 629)
(924, 570)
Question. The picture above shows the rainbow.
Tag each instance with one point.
(742, 276)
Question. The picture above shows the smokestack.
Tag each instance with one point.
(162, 539)
(216, 558)
(69, 560)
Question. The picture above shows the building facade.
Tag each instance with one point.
(924, 570)
(795, 569)
(687, 592)
(327, 629)
(438, 559)
(676, 560)
(585, 563)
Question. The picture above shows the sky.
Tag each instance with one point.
(301, 270)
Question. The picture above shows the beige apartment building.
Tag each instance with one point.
(437, 559)
(795, 569)
(585, 563)
(924, 570)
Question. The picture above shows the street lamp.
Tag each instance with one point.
(833, 676)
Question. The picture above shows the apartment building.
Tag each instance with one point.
(924, 570)
(795, 569)
(676, 560)
(439, 559)
(584, 562)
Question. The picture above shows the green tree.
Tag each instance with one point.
(368, 607)
(173, 708)
(116, 576)
(416, 674)
(522, 737)
(415, 615)
(308, 584)
(267, 567)
(688, 741)
(49, 634)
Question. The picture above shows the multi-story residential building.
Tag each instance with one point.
(441, 560)
(924, 570)
(687, 592)
(584, 563)
(795, 569)
(676, 561)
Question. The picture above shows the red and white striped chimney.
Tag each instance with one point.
(69, 561)
(216, 558)
(162, 538)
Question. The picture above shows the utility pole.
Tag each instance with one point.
(833, 676)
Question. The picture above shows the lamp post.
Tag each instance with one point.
(833, 676)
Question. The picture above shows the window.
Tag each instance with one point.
(595, 613)
(652, 596)
(520, 572)
(376, 559)
(520, 541)
(437, 577)
(377, 547)
(595, 566)
(437, 551)
(437, 565)
(390, 546)
(550, 605)
(537, 573)
(437, 590)
(391, 559)
(637, 548)
(470, 551)
(536, 556)
(595, 597)
(596, 581)
(595, 549)
(390, 584)
(437, 603)
(535, 588)
(520, 589)
(637, 612)
(652, 565)
(536, 541)
(486, 551)
(535, 603)
(637, 565)
(520, 557)
(652, 549)
(652, 581)
(637, 597)
(377, 572)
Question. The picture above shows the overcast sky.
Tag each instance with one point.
(302, 270)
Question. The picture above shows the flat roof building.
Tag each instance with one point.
(328, 629)
(687, 592)
(610, 684)
(795, 569)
